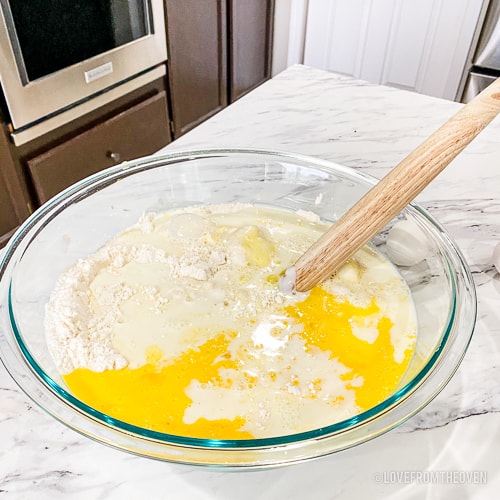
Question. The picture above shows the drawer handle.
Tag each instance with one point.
(114, 156)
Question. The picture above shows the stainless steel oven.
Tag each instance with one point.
(485, 64)
(56, 55)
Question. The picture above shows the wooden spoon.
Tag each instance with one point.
(393, 192)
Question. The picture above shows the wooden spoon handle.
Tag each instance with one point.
(394, 191)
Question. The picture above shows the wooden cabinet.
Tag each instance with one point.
(9, 217)
(138, 131)
(249, 45)
(14, 199)
(217, 51)
(197, 66)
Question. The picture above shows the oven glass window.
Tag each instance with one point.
(50, 35)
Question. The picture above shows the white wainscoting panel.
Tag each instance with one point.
(419, 45)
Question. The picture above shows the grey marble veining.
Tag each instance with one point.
(368, 127)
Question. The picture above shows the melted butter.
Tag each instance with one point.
(258, 248)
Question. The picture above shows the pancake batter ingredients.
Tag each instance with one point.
(179, 325)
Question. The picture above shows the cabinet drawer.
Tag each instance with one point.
(139, 131)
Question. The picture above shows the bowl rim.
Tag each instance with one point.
(86, 187)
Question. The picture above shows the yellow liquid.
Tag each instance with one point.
(154, 396)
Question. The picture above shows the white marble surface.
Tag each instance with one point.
(368, 127)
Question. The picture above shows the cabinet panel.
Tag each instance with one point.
(197, 53)
(411, 24)
(138, 131)
(420, 46)
(250, 42)
(8, 216)
(15, 204)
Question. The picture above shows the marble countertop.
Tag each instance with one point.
(457, 436)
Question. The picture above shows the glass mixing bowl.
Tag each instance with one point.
(82, 218)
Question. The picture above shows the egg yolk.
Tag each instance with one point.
(154, 395)
(332, 331)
